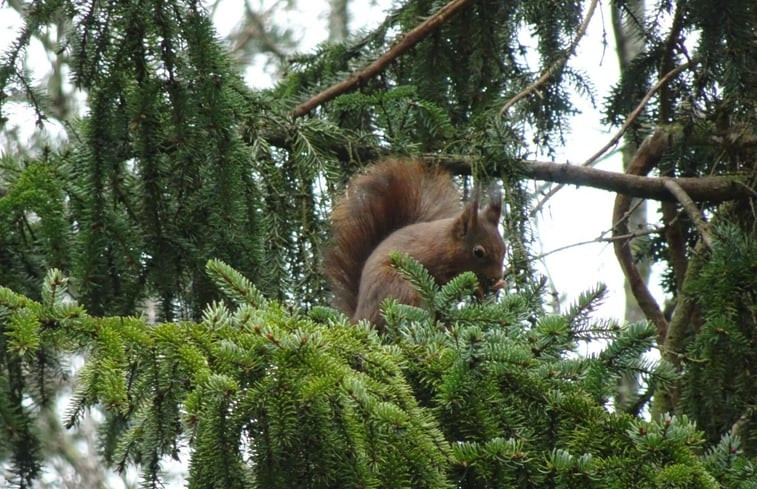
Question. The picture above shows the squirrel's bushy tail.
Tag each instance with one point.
(388, 196)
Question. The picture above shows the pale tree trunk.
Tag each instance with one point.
(338, 20)
(630, 42)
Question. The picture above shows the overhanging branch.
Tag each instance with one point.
(408, 41)
(700, 189)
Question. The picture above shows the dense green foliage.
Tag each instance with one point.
(176, 162)
(270, 398)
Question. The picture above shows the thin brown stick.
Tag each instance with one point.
(635, 112)
(601, 239)
(409, 40)
(691, 209)
(254, 28)
(556, 66)
(614, 140)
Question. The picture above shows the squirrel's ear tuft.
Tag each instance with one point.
(494, 207)
(468, 219)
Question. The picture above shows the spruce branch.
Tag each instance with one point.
(408, 41)
(691, 209)
(557, 64)
(700, 189)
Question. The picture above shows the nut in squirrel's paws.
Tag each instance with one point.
(493, 286)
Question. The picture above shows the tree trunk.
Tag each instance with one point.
(629, 42)
(338, 20)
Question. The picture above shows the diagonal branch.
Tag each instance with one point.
(691, 209)
(600, 239)
(556, 66)
(635, 112)
(408, 41)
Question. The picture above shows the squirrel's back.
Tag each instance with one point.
(388, 196)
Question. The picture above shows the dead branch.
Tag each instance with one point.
(601, 239)
(556, 66)
(691, 209)
(647, 157)
(254, 28)
(409, 40)
(701, 189)
(635, 112)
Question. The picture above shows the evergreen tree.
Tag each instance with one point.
(176, 162)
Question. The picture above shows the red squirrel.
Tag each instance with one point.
(409, 207)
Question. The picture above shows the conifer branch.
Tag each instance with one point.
(674, 235)
(691, 209)
(408, 41)
(700, 189)
(556, 66)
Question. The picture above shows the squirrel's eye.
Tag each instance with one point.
(479, 251)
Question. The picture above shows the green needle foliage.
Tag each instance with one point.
(721, 356)
(487, 395)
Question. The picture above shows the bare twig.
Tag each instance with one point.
(635, 113)
(254, 28)
(691, 209)
(409, 40)
(556, 66)
(601, 239)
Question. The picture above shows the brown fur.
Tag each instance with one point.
(409, 207)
